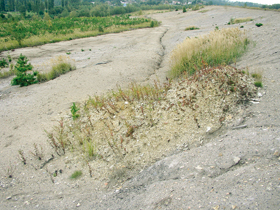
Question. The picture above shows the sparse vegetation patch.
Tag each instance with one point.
(60, 65)
(190, 28)
(219, 47)
(37, 32)
(239, 20)
(129, 129)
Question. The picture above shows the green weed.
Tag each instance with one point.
(259, 24)
(3, 63)
(258, 84)
(190, 28)
(74, 110)
(76, 174)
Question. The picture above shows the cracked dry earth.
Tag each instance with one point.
(236, 168)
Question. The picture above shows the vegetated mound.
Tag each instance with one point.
(128, 130)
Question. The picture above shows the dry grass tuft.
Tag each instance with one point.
(60, 65)
(240, 20)
(190, 28)
(219, 47)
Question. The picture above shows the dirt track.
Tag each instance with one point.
(236, 169)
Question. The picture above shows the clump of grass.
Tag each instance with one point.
(8, 73)
(258, 84)
(61, 65)
(3, 63)
(239, 20)
(259, 24)
(154, 24)
(76, 174)
(203, 11)
(196, 7)
(190, 28)
(257, 76)
(258, 79)
(218, 47)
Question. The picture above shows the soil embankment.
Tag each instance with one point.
(236, 169)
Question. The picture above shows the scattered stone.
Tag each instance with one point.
(198, 168)
(276, 153)
(239, 127)
(216, 207)
(26, 203)
(78, 204)
(236, 160)
(9, 198)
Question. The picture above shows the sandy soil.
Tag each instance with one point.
(236, 169)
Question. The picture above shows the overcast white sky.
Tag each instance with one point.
(261, 1)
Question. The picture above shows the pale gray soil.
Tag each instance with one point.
(235, 169)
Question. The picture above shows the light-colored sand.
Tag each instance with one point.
(115, 59)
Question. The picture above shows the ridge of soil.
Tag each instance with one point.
(237, 168)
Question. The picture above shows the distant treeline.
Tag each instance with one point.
(101, 8)
(85, 8)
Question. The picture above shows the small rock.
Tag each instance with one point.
(276, 153)
(216, 207)
(198, 168)
(9, 197)
(233, 207)
(259, 95)
(26, 202)
(78, 204)
(236, 160)
(208, 129)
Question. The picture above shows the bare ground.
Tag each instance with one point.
(236, 169)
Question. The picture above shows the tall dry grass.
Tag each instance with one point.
(219, 47)
(60, 65)
(240, 20)
(77, 33)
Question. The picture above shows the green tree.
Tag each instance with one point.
(23, 78)
(51, 4)
(11, 5)
(18, 32)
(2, 5)
(22, 10)
(184, 9)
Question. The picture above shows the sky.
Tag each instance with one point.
(261, 1)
